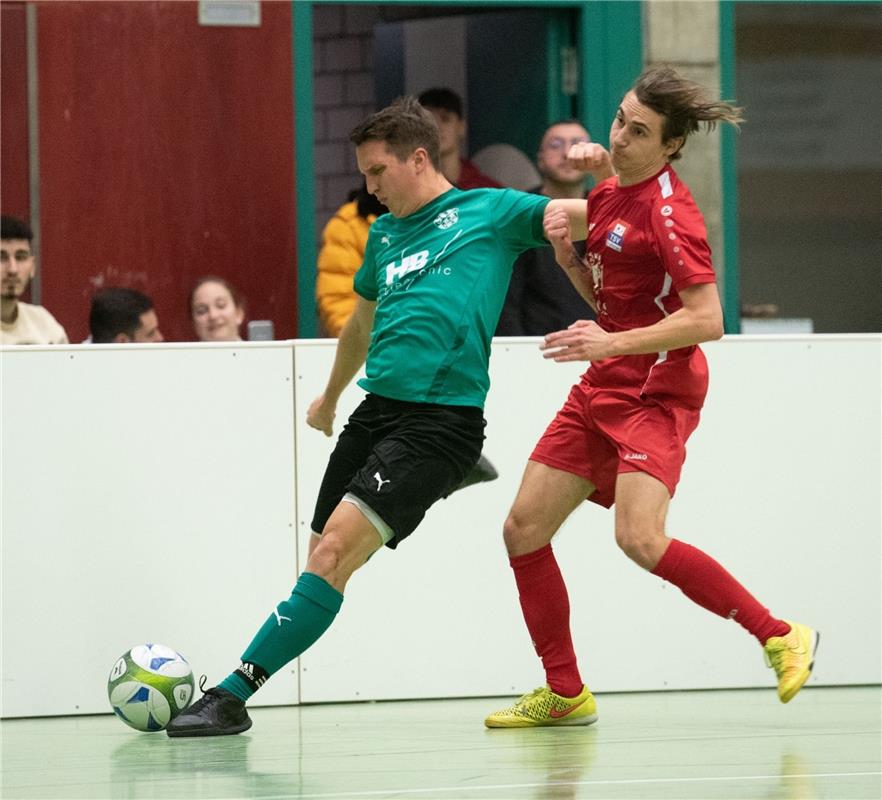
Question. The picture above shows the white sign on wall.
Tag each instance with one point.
(242, 13)
(810, 113)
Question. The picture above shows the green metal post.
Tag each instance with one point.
(304, 171)
(611, 48)
(729, 176)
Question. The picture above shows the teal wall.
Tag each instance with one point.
(611, 50)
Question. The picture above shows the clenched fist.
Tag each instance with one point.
(592, 158)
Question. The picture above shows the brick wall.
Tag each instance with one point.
(343, 72)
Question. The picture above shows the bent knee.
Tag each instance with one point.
(326, 557)
(643, 544)
(523, 535)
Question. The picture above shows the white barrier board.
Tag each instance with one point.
(148, 494)
(782, 485)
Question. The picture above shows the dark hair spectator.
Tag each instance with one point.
(20, 322)
(14, 228)
(123, 315)
(447, 108)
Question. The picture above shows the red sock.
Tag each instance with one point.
(705, 582)
(546, 608)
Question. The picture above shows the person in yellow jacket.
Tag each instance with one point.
(343, 242)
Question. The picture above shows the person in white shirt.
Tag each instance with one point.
(22, 323)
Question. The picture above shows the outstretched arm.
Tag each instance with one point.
(700, 320)
(352, 347)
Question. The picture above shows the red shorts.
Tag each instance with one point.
(600, 433)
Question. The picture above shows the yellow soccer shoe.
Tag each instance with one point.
(544, 707)
(792, 656)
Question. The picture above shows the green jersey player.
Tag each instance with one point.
(431, 289)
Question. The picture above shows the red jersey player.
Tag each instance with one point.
(620, 437)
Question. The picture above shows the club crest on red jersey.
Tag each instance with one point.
(615, 237)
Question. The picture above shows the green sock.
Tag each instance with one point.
(295, 625)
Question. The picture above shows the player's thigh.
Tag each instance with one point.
(546, 497)
(349, 455)
(642, 502)
(421, 462)
(573, 444)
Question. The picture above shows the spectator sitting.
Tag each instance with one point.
(22, 323)
(123, 315)
(446, 106)
(541, 298)
(216, 310)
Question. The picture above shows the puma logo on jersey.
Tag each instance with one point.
(411, 263)
(380, 481)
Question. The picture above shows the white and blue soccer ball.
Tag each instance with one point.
(149, 686)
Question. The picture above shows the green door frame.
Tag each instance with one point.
(606, 69)
(304, 170)
(729, 176)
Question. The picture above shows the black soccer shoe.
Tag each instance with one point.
(216, 713)
(482, 472)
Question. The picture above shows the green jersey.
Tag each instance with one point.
(439, 277)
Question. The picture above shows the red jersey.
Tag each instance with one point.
(470, 177)
(645, 243)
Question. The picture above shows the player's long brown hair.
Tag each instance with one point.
(683, 103)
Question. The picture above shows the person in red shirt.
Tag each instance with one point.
(620, 437)
(446, 107)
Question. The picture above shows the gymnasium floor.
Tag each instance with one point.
(726, 744)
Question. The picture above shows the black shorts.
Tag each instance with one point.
(399, 458)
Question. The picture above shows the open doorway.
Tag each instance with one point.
(514, 69)
(523, 66)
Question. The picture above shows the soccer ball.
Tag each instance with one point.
(149, 686)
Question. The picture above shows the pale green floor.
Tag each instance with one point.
(827, 743)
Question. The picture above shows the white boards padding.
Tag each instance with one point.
(147, 496)
(153, 493)
(781, 485)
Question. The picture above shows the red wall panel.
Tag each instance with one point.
(14, 111)
(166, 154)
